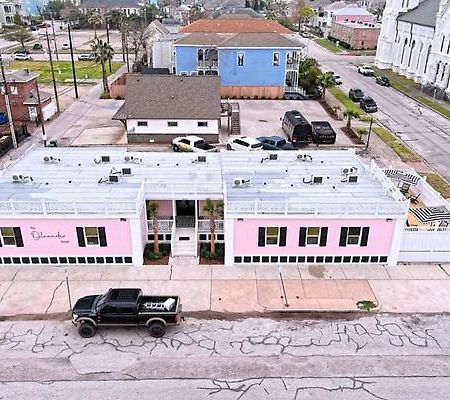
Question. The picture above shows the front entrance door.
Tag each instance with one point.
(185, 217)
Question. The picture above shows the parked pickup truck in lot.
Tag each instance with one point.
(275, 143)
(323, 132)
(194, 144)
(126, 307)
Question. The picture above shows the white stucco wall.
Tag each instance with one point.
(185, 127)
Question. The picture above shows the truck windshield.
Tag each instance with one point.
(256, 145)
(102, 299)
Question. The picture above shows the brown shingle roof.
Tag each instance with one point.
(235, 26)
(270, 40)
(171, 97)
(203, 38)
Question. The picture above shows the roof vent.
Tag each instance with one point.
(21, 179)
(304, 157)
(199, 159)
(52, 160)
(102, 159)
(241, 182)
(133, 159)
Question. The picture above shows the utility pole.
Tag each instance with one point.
(54, 37)
(126, 50)
(8, 105)
(368, 135)
(107, 39)
(53, 71)
(73, 62)
(41, 115)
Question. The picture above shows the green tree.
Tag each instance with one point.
(326, 81)
(103, 53)
(54, 8)
(19, 34)
(305, 65)
(350, 113)
(195, 13)
(379, 10)
(305, 14)
(94, 19)
(152, 212)
(214, 209)
(308, 72)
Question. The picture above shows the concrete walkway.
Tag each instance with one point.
(237, 289)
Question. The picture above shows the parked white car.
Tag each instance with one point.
(366, 70)
(244, 143)
(193, 144)
(22, 57)
(65, 46)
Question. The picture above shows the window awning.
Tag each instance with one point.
(431, 214)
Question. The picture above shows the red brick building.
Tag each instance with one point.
(355, 35)
(23, 97)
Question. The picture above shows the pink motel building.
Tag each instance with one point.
(81, 206)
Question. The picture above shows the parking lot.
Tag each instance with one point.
(262, 118)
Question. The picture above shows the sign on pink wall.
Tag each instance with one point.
(58, 237)
(246, 237)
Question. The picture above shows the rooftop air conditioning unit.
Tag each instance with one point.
(21, 179)
(113, 179)
(241, 182)
(126, 171)
(133, 159)
(304, 157)
(353, 170)
(316, 180)
(199, 159)
(50, 159)
(352, 178)
(273, 157)
(102, 159)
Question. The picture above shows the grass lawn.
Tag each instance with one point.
(63, 70)
(345, 100)
(436, 106)
(405, 154)
(439, 184)
(329, 45)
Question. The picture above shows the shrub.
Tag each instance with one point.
(164, 250)
(206, 254)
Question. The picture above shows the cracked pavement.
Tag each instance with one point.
(372, 357)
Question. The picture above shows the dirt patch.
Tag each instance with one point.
(206, 261)
(354, 137)
(317, 271)
(330, 111)
(164, 260)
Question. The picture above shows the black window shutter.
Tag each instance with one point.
(102, 236)
(365, 236)
(18, 236)
(283, 233)
(261, 237)
(302, 237)
(343, 238)
(0, 242)
(80, 236)
(323, 236)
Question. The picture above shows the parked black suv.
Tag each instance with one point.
(383, 81)
(356, 95)
(368, 104)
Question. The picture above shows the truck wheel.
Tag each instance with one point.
(157, 329)
(228, 146)
(175, 148)
(86, 329)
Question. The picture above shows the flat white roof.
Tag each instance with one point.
(76, 175)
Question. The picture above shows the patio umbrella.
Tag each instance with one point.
(431, 214)
(402, 175)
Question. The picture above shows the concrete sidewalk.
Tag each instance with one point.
(237, 289)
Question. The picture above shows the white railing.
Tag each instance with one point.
(172, 239)
(427, 229)
(423, 244)
(57, 207)
(203, 225)
(155, 189)
(314, 208)
(164, 225)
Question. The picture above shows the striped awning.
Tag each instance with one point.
(431, 214)
(402, 175)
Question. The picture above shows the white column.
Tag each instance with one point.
(400, 225)
(228, 226)
(137, 247)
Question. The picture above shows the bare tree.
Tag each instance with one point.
(138, 35)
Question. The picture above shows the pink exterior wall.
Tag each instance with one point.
(355, 18)
(246, 237)
(165, 208)
(118, 237)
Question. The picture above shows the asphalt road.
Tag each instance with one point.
(373, 357)
(425, 131)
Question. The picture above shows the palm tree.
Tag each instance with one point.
(214, 210)
(103, 53)
(326, 81)
(152, 210)
(349, 114)
(94, 19)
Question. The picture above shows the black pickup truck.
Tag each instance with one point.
(323, 132)
(126, 307)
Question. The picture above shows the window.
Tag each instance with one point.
(202, 124)
(240, 59)
(272, 236)
(91, 236)
(172, 124)
(142, 123)
(276, 59)
(313, 236)
(11, 236)
(354, 236)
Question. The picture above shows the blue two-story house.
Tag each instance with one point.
(255, 65)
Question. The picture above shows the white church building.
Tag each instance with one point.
(415, 41)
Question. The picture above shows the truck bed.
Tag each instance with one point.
(155, 304)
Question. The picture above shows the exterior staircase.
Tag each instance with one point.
(184, 243)
(235, 119)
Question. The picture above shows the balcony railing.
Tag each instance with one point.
(208, 64)
(66, 207)
(203, 225)
(164, 225)
(314, 208)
